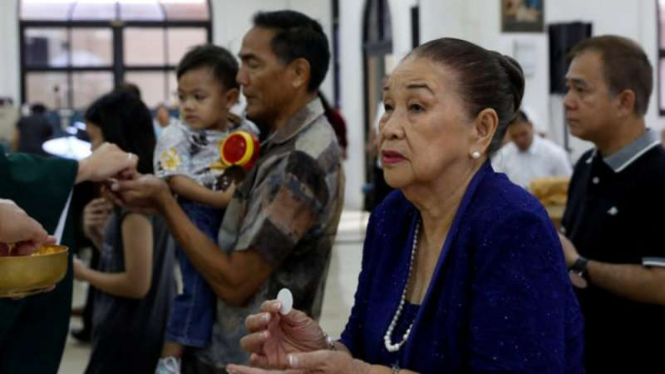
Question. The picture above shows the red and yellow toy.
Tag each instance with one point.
(238, 152)
(240, 148)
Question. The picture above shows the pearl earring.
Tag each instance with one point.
(475, 155)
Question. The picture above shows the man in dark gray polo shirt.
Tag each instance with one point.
(616, 252)
(279, 227)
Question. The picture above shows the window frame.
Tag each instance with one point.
(118, 67)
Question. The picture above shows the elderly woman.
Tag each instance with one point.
(462, 270)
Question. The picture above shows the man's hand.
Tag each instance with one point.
(16, 227)
(145, 193)
(569, 251)
(107, 161)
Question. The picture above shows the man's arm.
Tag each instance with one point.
(233, 277)
(634, 282)
(189, 189)
(286, 216)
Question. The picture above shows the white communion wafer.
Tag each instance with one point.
(286, 298)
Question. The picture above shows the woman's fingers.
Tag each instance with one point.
(271, 306)
(258, 322)
(241, 369)
(258, 361)
(254, 342)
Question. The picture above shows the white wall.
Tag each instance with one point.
(352, 105)
(479, 21)
(351, 86)
(9, 58)
(444, 18)
(231, 21)
(401, 21)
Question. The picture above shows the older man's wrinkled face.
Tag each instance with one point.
(263, 77)
(425, 134)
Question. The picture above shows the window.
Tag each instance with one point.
(73, 51)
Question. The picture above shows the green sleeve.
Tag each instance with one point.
(39, 185)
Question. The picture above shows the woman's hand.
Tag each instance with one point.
(273, 336)
(79, 269)
(323, 362)
(95, 216)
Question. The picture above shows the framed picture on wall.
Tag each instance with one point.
(522, 15)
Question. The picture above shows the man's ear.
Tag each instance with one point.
(626, 102)
(301, 72)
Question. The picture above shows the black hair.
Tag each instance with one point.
(298, 36)
(487, 79)
(520, 117)
(125, 121)
(129, 87)
(38, 108)
(222, 63)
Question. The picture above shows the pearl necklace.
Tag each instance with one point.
(386, 338)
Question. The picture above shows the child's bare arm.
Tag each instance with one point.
(135, 281)
(189, 189)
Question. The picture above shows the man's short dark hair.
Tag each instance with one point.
(222, 63)
(38, 108)
(520, 117)
(625, 67)
(298, 36)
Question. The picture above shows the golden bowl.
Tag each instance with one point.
(21, 276)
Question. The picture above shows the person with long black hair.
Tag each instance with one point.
(135, 273)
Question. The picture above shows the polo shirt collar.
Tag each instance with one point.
(297, 122)
(633, 151)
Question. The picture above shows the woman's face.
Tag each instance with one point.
(425, 134)
(95, 134)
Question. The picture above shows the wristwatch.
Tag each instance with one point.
(578, 273)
